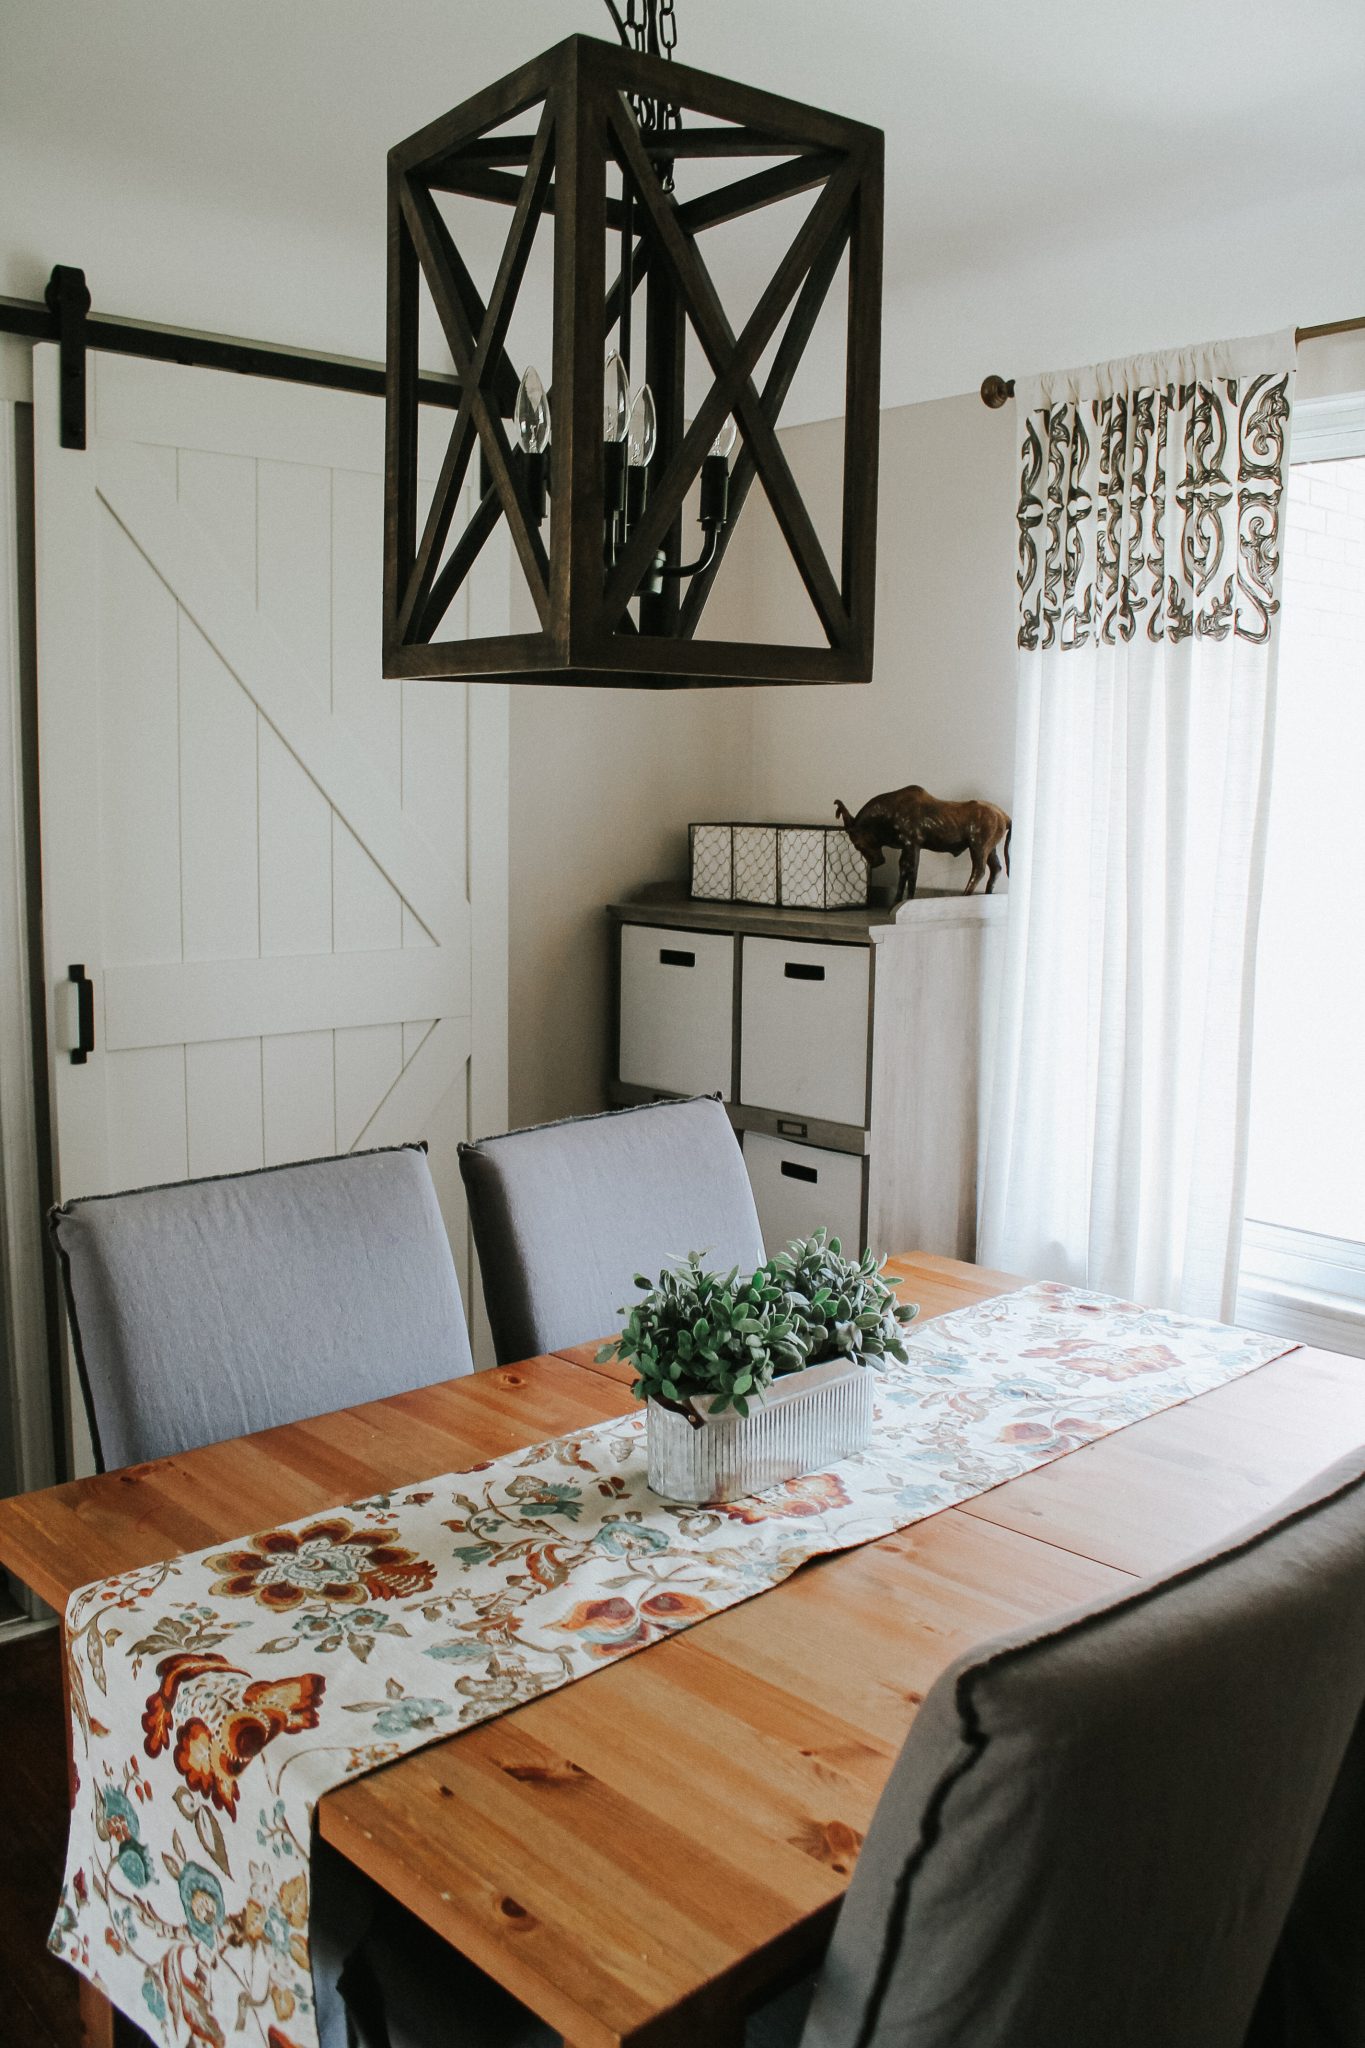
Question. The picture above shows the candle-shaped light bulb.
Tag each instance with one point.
(615, 399)
(531, 414)
(643, 432)
(714, 507)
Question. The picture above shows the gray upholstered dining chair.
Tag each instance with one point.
(566, 1214)
(1115, 1829)
(210, 1308)
(1137, 1826)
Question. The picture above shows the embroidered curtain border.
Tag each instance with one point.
(1150, 495)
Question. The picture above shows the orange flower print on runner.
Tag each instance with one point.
(225, 1719)
(816, 1494)
(608, 1627)
(329, 1560)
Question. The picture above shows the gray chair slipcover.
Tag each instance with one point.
(1113, 1831)
(211, 1308)
(566, 1214)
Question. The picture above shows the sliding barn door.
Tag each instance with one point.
(284, 877)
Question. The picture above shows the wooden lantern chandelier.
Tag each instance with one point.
(621, 586)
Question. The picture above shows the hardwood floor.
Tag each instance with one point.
(40, 1999)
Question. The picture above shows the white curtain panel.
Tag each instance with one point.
(1150, 543)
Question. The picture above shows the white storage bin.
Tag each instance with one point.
(800, 1188)
(804, 1025)
(677, 1010)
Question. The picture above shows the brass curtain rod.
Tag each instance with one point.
(995, 390)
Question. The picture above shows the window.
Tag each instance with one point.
(1303, 1260)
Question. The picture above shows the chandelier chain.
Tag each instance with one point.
(650, 27)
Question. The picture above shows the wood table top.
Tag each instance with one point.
(639, 1854)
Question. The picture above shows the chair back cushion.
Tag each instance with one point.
(211, 1308)
(567, 1214)
(1096, 1831)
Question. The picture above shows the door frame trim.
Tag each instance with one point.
(27, 1390)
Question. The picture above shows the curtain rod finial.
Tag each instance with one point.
(995, 390)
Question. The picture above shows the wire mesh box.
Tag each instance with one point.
(806, 867)
(713, 864)
(755, 863)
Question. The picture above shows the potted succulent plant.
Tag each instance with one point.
(753, 1379)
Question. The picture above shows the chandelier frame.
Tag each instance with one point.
(585, 134)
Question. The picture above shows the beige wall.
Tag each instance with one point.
(940, 710)
(604, 784)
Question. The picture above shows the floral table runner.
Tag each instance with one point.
(216, 1697)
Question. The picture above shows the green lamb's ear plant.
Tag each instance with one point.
(695, 1332)
(843, 1309)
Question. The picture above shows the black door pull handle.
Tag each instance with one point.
(803, 970)
(795, 1172)
(85, 1015)
(669, 956)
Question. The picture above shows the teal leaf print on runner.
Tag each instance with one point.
(546, 1496)
(202, 1897)
(340, 1628)
(627, 1539)
(397, 1714)
(122, 1828)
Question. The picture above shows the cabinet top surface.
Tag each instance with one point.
(668, 903)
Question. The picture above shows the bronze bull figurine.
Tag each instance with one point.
(910, 818)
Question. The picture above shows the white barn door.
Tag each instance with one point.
(285, 877)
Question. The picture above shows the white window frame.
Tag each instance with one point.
(1300, 1283)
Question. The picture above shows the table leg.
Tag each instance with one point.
(701, 2023)
(717, 2034)
(98, 2018)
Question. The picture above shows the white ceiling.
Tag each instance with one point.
(1066, 179)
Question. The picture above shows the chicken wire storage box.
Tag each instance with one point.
(802, 867)
(847, 1046)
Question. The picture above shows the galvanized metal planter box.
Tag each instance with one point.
(803, 1423)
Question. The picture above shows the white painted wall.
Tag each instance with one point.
(604, 784)
(940, 710)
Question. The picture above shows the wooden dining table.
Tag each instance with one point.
(642, 1856)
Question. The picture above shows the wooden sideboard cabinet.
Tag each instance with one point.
(848, 1046)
